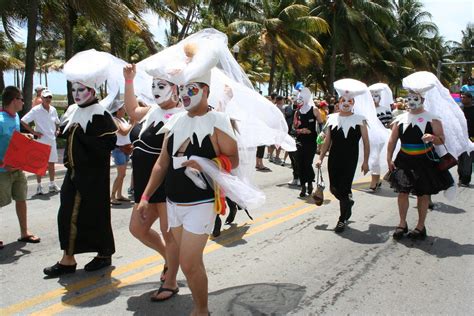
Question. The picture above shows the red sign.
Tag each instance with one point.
(27, 154)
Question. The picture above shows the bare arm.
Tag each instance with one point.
(228, 147)
(122, 129)
(135, 112)
(30, 130)
(392, 141)
(365, 141)
(437, 137)
(324, 148)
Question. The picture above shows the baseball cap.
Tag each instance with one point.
(39, 88)
(46, 93)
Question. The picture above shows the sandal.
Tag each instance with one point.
(115, 202)
(399, 232)
(263, 169)
(123, 199)
(163, 274)
(417, 234)
(30, 239)
(154, 296)
(377, 187)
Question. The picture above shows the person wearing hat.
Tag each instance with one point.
(121, 152)
(90, 131)
(46, 120)
(202, 132)
(147, 146)
(37, 99)
(414, 170)
(344, 130)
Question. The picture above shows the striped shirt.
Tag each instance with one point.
(384, 115)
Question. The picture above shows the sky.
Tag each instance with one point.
(451, 17)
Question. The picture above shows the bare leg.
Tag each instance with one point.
(403, 208)
(67, 260)
(375, 181)
(142, 229)
(51, 171)
(423, 202)
(191, 261)
(118, 183)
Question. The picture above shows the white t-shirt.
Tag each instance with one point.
(45, 121)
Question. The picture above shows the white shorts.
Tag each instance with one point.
(195, 217)
(53, 156)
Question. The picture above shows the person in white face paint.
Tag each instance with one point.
(415, 167)
(198, 131)
(147, 147)
(343, 132)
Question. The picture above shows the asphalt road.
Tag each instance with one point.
(288, 260)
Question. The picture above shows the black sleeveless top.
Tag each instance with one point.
(179, 187)
(308, 120)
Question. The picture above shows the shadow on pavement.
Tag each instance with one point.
(448, 209)
(439, 247)
(12, 252)
(232, 237)
(251, 299)
(44, 197)
(375, 234)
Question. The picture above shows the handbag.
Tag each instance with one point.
(445, 162)
(126, 149)
(318, 192)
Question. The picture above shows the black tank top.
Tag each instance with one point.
(179, 188)
(308, 120)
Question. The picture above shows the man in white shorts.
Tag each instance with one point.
(46, 120)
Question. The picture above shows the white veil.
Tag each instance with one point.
(386, 96)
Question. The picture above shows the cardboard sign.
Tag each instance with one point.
(27, 154)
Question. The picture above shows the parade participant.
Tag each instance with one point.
(466, 158)
(46, 120)
(147, 147)
(343, 132)
(13, 185)
(424, 139)
(306, 118)
(84, 214)
(121, 152)
(383, 99)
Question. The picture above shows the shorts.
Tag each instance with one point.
(195, 217)
(120, 158)
(13, 185)
(53, 156)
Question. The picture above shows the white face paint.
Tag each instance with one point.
(162, 90)
(414, 101)
(346, 105)
(376, 97)
(81, 93)
(191, 95)
(299, 101)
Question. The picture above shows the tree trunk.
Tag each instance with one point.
(147, 37)
(272, 70)
(46, 77)
(69, 25)
(32, 8)
(2, 82)
(332, 69)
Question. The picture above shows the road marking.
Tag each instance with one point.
(151, 271)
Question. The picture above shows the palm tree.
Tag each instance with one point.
(7, 60)
(283, 30)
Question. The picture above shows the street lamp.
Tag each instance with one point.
(236, 50)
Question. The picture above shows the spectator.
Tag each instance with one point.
(13, 183)
(46, 120)
(37, 99)
(468, 87)
(466, 158)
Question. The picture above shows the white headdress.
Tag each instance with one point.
(93, 68)
(386, 97)
(364, 105)
(439, 102)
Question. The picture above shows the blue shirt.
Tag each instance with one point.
(8, 124)
(468, 88)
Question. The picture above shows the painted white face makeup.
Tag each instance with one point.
(81, 93)
(191, 95)
(346, 105)
(414, 101)
(162, 90)
(299, 101)
(376, 97)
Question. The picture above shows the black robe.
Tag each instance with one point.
(84, 214)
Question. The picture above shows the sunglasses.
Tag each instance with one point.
(49, 97)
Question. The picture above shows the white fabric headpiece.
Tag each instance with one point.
(350, 88)
(386, 96)
(93, 68)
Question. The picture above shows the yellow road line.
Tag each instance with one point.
(15, 308)
(97, 292)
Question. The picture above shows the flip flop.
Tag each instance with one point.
(123, 199)
(263, 169)
(115, 202)
(154, 296)
(30, 239)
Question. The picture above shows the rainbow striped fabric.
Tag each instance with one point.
(416, 149)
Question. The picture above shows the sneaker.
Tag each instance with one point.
(39, 190)
(53, 188)
(463, 185)
(339, 227)
(293, 182)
